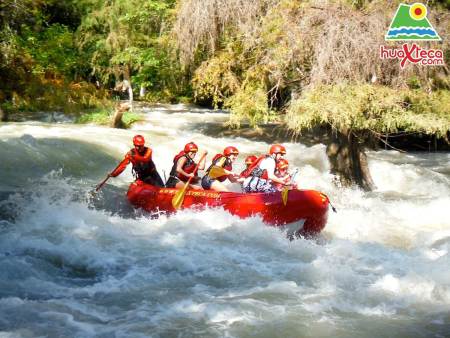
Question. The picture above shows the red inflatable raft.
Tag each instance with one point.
(308, 209)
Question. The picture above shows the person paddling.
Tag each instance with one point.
(143, 167)
(184, 166)
(260, 176)
(249, 160)
(224, 163)
(281, 171)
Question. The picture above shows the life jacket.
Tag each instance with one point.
(279, 186)
(227, 165)
(255, 171)
(244, 171)
(143, 165)
(188, 167)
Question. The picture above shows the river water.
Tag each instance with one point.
(73, 265)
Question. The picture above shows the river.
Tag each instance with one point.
(77, 265)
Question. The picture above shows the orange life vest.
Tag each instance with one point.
(255, 171)
(136, 158)
(142, 164)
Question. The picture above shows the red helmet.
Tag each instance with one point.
(190, 147)
(277, 149)
(138, 140)
(282, 164)
(249, 160)
(230, 150)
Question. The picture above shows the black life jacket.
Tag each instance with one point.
(188, 167)
(143, 165)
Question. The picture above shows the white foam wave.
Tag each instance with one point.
(408, 27)
(382, 264)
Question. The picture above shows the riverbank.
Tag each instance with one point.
(280, 132)
(270, 133)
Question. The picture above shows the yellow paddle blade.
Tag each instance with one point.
(216, 171)
(178, 198)
(284, 195)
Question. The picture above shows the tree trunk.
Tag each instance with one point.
(117, 118)
(3, 117)
(127, 80)
(142, 92)
(348, 160)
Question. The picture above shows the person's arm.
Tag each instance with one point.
(201, 165)
(230, 174)
(232, 177)
(270, 168)
(286, 178)
(240, 179)
(121, 167)
(180, 165)
(273, 178)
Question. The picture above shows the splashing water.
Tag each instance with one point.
(78, 266)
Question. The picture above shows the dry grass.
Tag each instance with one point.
(305, 48)
(317, 42)
(200, 24)
(346, 49)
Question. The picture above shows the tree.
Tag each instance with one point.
(14, 14)
(121, 37)
(358, 113)
(316, 64)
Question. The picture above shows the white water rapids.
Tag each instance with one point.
(76, 266)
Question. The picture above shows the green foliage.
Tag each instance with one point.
(67, 13)
(48, 46)
(444, 3)
(122, 39)
(16, 13)
(52, 50)
(97, 116)
(40, 66)
(250, 103)
(215, 79)
(369, 107)
(55, 94)
(129, 118)
(104, 116)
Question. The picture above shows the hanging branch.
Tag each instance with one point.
(273, 93)
(378, 136)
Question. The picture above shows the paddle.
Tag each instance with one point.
(331, 205)
(284, 195)
(102, 183)
(216, 171)
(178, 198)
(285, 191)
